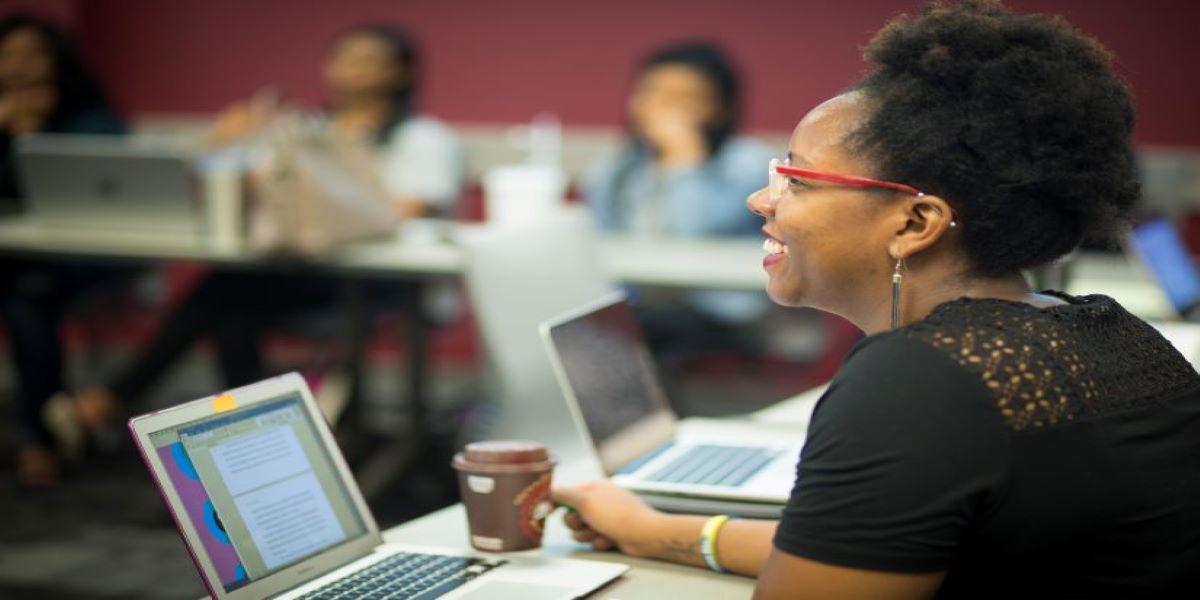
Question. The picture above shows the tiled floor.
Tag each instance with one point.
(102, 534)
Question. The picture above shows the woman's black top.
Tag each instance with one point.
(1027, 452)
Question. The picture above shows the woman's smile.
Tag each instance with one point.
(775, 249)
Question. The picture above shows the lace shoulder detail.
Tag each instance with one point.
(1050, 366)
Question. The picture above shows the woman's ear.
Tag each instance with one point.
(926, 220)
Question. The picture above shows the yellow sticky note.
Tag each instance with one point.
(223, 403)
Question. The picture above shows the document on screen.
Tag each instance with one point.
(278, 495)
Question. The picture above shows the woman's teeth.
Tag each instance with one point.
(771, 246)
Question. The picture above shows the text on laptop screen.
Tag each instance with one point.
(610, 371)
(258, 487)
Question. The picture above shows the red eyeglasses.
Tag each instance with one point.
(778, 172)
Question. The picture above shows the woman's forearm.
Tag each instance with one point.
(742, 544)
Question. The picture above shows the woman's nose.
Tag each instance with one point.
(760, 204)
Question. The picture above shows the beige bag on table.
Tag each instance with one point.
(318, 191)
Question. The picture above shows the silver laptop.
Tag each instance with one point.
(267, 507)
(109, 182)
(608, 377)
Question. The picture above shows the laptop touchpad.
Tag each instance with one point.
(525, 591)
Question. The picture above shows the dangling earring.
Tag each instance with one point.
(897, 279)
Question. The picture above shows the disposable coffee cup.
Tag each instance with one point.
(520, 195)
(505, 486)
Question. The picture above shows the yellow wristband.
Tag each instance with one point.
(708, 542)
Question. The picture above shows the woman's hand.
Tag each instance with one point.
(26, 109)
(244, 118)
(410, 208)
(678, 136)
(607, 517)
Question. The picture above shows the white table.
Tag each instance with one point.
(645, 579)
(420, 248)
(428, 248)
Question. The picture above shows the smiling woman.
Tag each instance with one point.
(838, 230)
(984, 440)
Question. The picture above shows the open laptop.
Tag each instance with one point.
(1158, 247)
(108, 182)
(268, 508)
(608, 377)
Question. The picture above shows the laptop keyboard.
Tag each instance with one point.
(710, 464)
(406, 575)
(642, 460)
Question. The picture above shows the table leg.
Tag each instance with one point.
(399, 453)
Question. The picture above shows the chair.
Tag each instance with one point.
(516, 278)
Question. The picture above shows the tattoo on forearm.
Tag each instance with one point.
(679, 551)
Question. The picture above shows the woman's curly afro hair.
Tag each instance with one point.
(1017, 121)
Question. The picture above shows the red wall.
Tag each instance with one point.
(491, 60)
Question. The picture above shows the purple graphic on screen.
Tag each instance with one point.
(199, 511)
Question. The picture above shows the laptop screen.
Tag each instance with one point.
(612, 377)
(1163, 252)
(259, 487)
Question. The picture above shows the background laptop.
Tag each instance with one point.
(109, 182)
(267, 507)
(1159, 248)
(609, 379)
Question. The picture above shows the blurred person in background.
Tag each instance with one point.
(684, 172)
(371, 78)
(44, 88)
